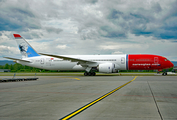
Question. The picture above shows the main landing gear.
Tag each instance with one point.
(89, 74)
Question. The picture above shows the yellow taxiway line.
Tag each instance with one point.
(69, 78)
(93, 102)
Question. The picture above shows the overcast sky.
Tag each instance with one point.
(77, 27)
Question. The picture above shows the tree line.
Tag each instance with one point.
(22, 68)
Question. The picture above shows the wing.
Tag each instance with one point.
(69, 58)
(17, 59)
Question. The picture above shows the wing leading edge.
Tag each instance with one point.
(69, 58)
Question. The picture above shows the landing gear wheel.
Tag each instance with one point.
(89, 74)
(86, 73)
(164, 74)
(94, 73)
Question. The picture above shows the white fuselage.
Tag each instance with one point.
(51, 63)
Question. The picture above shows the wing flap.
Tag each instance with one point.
(17, 59)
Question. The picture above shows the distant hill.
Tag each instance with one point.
(3, 62)
(174, 63)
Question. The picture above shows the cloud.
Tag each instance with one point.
(91, 26)
(61, 46)
(138, 18)
(117, 52)
(17, 17)
(54, 30)
(109, 19)
(7, 50)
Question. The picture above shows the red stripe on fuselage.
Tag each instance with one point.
(145, 62)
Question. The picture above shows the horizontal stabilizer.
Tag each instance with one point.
(17, 59)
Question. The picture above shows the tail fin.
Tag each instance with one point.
(25, 48)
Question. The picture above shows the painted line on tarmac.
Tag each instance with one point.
(69, 78)
(69, 116)
(77, 78)
(72, 78)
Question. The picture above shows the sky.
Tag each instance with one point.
(90, 27)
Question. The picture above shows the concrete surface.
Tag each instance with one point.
(53, 97)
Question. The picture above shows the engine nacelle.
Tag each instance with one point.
(108, 68)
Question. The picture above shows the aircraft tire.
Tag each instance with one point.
(86, 74)
(89, 74)
(93, 74)
(164, 74)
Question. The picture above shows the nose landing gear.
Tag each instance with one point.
(164, 73)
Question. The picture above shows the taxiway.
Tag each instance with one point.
(56, 97)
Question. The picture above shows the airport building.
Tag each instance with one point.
(175, 69)
(4, 70)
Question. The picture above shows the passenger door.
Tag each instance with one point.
(156, 60)
(122, 60)
(42, 60)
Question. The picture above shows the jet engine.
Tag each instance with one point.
(108, 68)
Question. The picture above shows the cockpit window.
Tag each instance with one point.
(166, 59)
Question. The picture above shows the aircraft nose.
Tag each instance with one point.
(171, 64)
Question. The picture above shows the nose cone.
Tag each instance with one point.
(171, 64)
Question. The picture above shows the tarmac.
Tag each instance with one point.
(90, 98)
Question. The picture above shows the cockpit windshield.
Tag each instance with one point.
(166, 59)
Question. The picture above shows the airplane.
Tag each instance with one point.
(89, 63)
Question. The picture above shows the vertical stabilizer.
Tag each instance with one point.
(25, 48)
